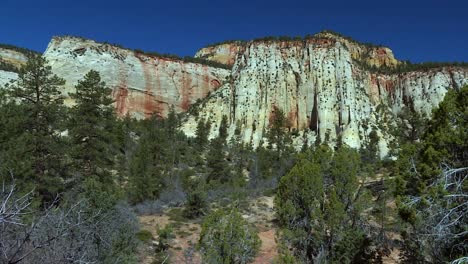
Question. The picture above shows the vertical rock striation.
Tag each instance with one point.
(142, 84)
(322, 89)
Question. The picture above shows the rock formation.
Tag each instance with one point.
(6, 77)
(223, 53)
(322, 87)
(142, 84)
(327, 85)
(15, 58)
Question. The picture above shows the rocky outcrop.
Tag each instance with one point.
(223, 53)
(142, 84)
(13, 57)
(319, 85)
(372, 55)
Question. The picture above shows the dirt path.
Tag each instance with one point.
(268, 250)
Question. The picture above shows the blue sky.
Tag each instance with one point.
(415, 30)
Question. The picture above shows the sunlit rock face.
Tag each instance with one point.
(223, 53)
(11, 57)
(319, 83)
(142, 85)
(322, 90)
(6, 77)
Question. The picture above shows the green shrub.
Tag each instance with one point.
(144, 235)
(227, 238)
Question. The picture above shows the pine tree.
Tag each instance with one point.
(223, 129)
(217, 163)
(91, 126)
(276, 134)
(202, 133)
(13, 146)
(149, 163)
(37, 92)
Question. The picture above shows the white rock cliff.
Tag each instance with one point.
(142, 84)
(320, 83)
(322, 90)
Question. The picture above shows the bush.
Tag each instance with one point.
(227, 238)
(144, 235)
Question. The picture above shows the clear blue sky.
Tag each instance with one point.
(417, 30)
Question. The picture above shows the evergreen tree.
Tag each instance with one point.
(223, 128)
(202, 133)
(216, 161)
(37, 92)
(431, 183)
(319, 205)
(13, 146)
(177, 139)
(149, 163)
(196, 204)
(227, 238)
(91, 126)
(276, 134)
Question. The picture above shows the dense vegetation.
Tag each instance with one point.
(75, 178)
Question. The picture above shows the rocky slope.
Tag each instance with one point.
(142, 84)
(321, 87)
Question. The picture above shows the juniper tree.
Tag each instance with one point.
(227, 238)
(319, 204)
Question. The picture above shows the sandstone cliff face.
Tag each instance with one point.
(322, 91)
(10, 57)
(319, 83)
(372, 55)
(6, 77)
(224, 53)
(142, 84)
(13, 57)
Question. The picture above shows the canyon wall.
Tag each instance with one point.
(322, 89)
(142, 84)
(327, 85)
